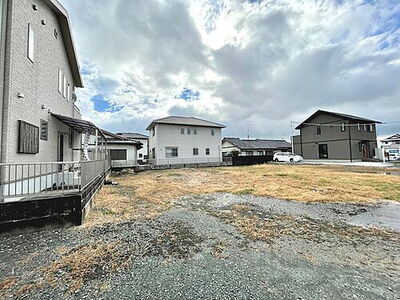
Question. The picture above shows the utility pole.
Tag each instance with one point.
(248, 130)
(291, 136)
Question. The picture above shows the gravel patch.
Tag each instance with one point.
(217, 246)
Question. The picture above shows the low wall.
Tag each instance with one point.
(43, 210)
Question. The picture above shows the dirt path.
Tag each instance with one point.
(218, 246)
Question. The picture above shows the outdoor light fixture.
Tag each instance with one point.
(34, 6)
(20, 95)
(43, 22)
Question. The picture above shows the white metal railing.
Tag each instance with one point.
(19, 180)
(178, 160)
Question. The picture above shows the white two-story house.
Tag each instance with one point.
(184, 140)
(40, 126)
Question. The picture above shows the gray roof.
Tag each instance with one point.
(190, 121)
(133, 135)
(253, 144)
(66, 33)
(393, 138)
(113, 138)
(340, 115)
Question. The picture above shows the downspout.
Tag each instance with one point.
(350, 147)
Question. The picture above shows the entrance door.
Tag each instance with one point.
(323, 150)
(60, 154)
(365, 149)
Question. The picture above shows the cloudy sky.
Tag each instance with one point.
(257, 64)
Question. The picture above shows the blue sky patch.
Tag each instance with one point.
(188, 95)
(102, 105)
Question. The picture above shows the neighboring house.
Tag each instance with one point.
(142, 154)
(41, 128)
(391, 146)
(253, 147)
(331, 135)
(123, 151)
(184, 140)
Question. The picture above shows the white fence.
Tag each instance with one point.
(185, 161)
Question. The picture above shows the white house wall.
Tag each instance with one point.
(168, 135)
(37, 81)
(131, 154)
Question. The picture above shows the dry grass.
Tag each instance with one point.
(75, 267)
(266, 228)
(148, 194)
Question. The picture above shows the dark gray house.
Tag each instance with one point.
(253, 147)
(331, 135)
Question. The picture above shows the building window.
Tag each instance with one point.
(319, 130)
(153, 151)
(249, 153)
(118, 154)
(68, 92)
(182, 130)
(65, 87)
(207, 151)
(44, 130)
(60, 81)
(212, 132)
(195, 131)
(71, 138)
(28, 138)
(358, 127)
(31, 43)
(368, 127)
(189, 131)
(140, 155)
(342, 127)
(171, 152)
(195, 151)
(260, 152)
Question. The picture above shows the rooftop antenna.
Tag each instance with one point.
(248, 130)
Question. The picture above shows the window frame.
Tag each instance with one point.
(194, 131)
(319, 130)
(195, 151)
(208, 151)
(60, 81)
(174, 150)
(213, 132)
(64, 87)
(182, 131)
(31, 43)
(68, 91)
(189, 131)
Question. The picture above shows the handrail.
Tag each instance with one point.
(18, 180)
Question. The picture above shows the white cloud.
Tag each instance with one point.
(265, 63)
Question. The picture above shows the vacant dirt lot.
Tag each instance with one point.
(220, 233)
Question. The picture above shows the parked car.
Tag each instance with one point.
(287, 157)
(394, 154)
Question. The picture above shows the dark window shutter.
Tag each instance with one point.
(28, 138)
(118, 154)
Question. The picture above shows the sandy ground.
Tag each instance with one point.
(214, 246)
